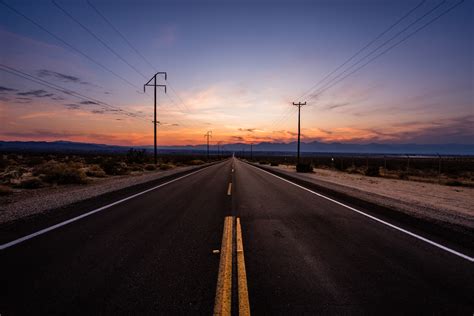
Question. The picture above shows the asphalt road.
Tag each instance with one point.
(153, 254)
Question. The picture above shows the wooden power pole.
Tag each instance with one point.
(155, 122)
(208, 134)
(299, 105)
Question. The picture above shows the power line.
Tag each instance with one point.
(97, 38)
(184, 106)
(69, 45)
(383, 44)
(281, 119)
(391, 47)
(66, 91)
(364, 47)
(121, 35)
(179, 98)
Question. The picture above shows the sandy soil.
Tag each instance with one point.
(445, 203)
(29, 202)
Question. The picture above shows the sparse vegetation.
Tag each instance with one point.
(166, 166)
(95, 171)
(150, 167)
(28, 171)
(452, 171)
(304, 167)
(114, 167)
(61, 173)
(31, 183)
(372, 171)
(4, 190)
(195, 162)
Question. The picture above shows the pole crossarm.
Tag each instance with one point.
(154, 78)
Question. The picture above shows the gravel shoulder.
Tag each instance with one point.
(25, 203)
(453, 205)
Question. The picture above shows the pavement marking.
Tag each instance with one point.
(229, 190)
(244, 305)
(48, 229)
(222, 304)
(433, 243)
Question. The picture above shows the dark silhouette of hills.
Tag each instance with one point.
(310, 147)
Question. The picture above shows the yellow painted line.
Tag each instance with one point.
(222, 304)
(229, 190)
(244, 305)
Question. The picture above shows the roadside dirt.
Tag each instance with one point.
(451, 204)
(23, 203)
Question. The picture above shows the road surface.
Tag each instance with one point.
(156, 253)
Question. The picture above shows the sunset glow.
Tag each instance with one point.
(236, 74)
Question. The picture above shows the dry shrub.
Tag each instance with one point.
(150, 167)
(62, 173)
(372, 171)
(4, 190)
(114, 167)
(166, 166)
(30, 183)
(304, 167)
(95, 171)
(195, 162)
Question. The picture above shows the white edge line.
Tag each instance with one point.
(48, 229)
(457, 253)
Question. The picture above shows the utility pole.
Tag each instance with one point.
(299, 105)
(208, 134)
(219, 149)
(155, 122)
(251, 151)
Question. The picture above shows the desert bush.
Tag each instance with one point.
(150, 167)
(114, 167)
(4, 190)
(372, 171)
(30, 183)
(135, 167)
(165, 166)
(264, 162)
(402, 175)
(136, 155)
(195, 162)
(95, 171)
(274, 164)
(3, 162)
(304, 167)
(454, 183)
(11, 173)
(62, 173)
(32, 161)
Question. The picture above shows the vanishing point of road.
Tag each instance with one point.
(230, 238)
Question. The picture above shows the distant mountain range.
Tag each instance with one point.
(310, 147)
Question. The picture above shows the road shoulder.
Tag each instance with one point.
(78, 200)
(455, 233)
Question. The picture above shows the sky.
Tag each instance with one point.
(75, 70)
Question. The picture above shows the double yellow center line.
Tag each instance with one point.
(222, 305)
